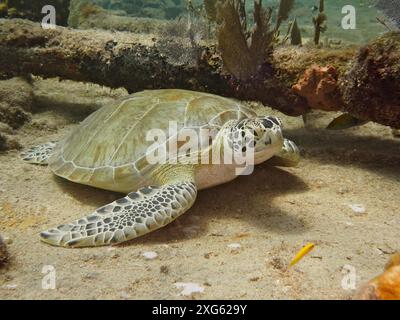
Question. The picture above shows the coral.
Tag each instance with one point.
(386, 286)
(319, 86)
(16, 101)
(89, 9)
(371, 88)
(243, 52)
(8, 142)
(82, 10)
(15, 117)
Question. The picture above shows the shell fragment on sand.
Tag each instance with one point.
(234, 247)
(150, 255)
(358, 208)
(189, 288)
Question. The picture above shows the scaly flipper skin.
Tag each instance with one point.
(288, 157)
(138, 213)
(38, 154)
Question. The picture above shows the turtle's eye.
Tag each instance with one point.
(270, 122)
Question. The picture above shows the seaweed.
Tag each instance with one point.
(244, 51)
(211, 9)
(285, 6)
(320, 22)
(295, 34)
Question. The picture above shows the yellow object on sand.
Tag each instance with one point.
(306, 249)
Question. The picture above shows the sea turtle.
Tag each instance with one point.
(111, 150)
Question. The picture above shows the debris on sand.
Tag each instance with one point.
(235, 247)
(358, 209)
(4, 256)
(189, 288)
(150, 255)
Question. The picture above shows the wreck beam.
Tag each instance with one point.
(132, 61)
(135, 62)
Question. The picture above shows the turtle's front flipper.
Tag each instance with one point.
(138, 213)
(288, 157)
(38, 154)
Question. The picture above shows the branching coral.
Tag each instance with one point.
(243, 51)
(295, 34)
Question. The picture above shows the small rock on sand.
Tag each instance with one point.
(189, 288)
(235, 247)
(150, 255)
(358, 208)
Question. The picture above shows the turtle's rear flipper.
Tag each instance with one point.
(38, 154)
(138, 213)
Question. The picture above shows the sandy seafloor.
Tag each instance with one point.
(271, 214)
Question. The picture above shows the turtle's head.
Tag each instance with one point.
(262, 136)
